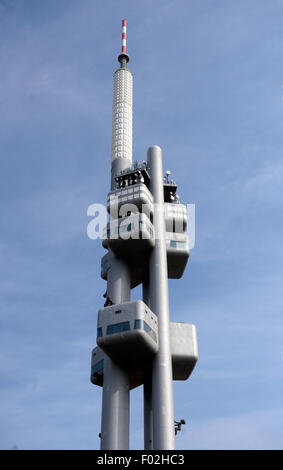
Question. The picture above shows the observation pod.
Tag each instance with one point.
(130, 236)
(128, 332)
(131, 198)
(184, 350)
(176, 217)
(178, 252)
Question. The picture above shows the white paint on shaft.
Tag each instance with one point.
(122, 115)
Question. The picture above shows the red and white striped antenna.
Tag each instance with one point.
(123, 57)
(124, 36)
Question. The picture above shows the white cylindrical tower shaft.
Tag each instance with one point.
(122, 115)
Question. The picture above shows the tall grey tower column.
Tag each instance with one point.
(147, 387)
(116, 387)
(162, 385)
(116, 384)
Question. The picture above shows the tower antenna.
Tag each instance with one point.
(123, 58)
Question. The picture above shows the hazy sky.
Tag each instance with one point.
(208, 81)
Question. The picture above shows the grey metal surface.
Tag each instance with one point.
(118, 280)
(184, 349)
(178, 252)
(131, 236)
(116, 383)
(147, 386)
(148, 413)
(118, 165)
(115, 407)
(136, 194)
(176, 217)
(162, 385)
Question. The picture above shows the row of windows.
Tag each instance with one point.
(123, 192)
(104, 266)
(120, 154)
(142, 325)
(121, 145)
(120, 149)
(124, 151)
(175, 244)
(124, 146)
(121, 125)
(125, 81)
(125, 121)
(123, 137)
(137, 189)
(124, 97)
(129, 227)
(97, 367)
(118, 107)
(123, 89)
(118, 327)
(125, 326)
(122, 130)
(124, 116)
(126, 85)
(122, 75)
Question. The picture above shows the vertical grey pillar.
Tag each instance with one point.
(116, 385)
(145, 291)
(115, 420)
(147, 389)
(162, 385)
(148, 414)
(115, 408)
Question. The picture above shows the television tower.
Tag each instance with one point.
(146, 243)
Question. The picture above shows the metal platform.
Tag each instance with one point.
(178, 252)
(176, 217)
(136, 194)
(128, 332)
(129, 236)
(184, 350)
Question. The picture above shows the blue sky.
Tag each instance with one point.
(208, 82)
